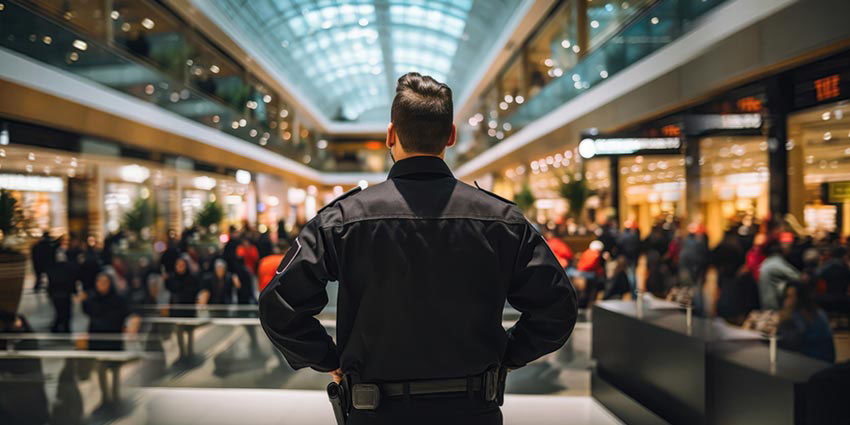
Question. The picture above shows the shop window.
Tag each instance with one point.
(822, 136)
(733, 182)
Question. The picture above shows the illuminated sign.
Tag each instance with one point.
(828, 87)
(588, 148)
(700, 123)
(749, 104)
(839, 192)
(31, 183)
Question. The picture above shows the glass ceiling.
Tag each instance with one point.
(346, 55)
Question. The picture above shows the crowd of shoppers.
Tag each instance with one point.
(800, 282)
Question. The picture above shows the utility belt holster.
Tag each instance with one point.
(367, 396)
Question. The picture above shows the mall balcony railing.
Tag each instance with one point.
(32, 31)
(656, 26)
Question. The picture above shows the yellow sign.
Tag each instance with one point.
(839, 192)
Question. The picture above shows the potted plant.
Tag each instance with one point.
(138, 222)
(13, 262)
(576, 193)
(208, 219)
(524, 199)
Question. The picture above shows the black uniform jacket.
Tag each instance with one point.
(424, 264)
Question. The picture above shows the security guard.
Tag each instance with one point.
(424, 264)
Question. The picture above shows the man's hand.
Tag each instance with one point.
(336, 375)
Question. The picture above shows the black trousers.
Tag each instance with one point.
(62, 320)
(431, 410)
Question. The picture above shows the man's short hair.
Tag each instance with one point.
(422, 113)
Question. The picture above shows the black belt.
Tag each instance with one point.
(435, 386)
(490, 384)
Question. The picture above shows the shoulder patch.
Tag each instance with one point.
(493, 194)
(351, 192)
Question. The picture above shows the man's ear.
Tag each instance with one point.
(390, 136)
(452, 137)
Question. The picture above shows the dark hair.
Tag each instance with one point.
(422, 113)
(805, 302)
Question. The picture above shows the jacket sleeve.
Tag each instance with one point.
(541, 291)
(295, 295)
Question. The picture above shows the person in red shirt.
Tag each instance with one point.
(249, 253)
(559, 248)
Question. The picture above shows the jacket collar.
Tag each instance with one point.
(420, 165)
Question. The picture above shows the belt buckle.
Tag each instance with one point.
(365, 396)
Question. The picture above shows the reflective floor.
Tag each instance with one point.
(235, 376)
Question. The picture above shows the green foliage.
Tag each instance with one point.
(211, 213)
(524, 199)
(10, 213)
(576, 193)
(142, 215)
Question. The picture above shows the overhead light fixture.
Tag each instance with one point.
(134, 173)
(148, 23)
(214, 69)
(204, 182)
(80, 45)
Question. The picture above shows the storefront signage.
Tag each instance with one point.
(828, 87)
(27, 183)
(701, 123)
(839, 192)
(588, 148)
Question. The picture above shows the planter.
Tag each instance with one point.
(13, 268)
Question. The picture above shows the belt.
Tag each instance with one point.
(489, 384)
(435, 386)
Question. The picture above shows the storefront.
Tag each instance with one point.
(38, 179)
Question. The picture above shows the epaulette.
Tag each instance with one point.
(493, 194)
(351, 192)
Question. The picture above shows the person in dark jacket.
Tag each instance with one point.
(43, 255)
(107, 313)
(803, 327)
(425, 265)
(90, 265)
(184, 287)
(61, 287)
(219, 284)
(170, 255)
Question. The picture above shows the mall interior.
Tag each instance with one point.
(687, 161)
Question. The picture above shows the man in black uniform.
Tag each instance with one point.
(424, 264)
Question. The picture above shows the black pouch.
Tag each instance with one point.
(365, 396)
(502, 379)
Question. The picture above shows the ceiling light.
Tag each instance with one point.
(322, 144)
(134, 173)
(147, 23)
(654, 20)
(565, 44)
(114, 15)
(363, 22)
(204, 182)
(214, 69)
(603, 74)
(267, 98)
(594, 24)
(825, 116)
(243, 176)
(80, 45)
(519, 99)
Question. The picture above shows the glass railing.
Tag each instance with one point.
(655, 27)
(118, 65)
